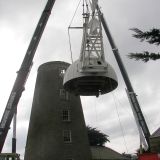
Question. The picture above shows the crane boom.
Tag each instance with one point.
(23, 73)
(132, 95)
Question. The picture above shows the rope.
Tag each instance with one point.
(69, 37)
(70, 46)
(121, 127)
(118, 100)
(75, 13)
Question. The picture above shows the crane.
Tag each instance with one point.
(26, 65)
(85, 77)
(130, 91)
(22, 76)
(91, 74)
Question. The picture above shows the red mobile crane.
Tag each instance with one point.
(22, 76)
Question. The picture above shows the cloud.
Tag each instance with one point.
(18, 22)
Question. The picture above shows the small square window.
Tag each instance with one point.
(66, 115)
(64, 94)
(67, 136)
(62, 72)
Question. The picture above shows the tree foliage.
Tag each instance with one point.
(96, 137)
(144, 56)
(152, 37)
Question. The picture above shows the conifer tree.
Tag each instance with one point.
(152, 37)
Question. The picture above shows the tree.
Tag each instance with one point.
(152, 37)
(96, 137)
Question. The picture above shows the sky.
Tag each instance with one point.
(110, 113)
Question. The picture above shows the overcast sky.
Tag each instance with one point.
(110, 113)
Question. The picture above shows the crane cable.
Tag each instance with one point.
(75, 12)
(70, 46)
(120, 123)
(69, 37)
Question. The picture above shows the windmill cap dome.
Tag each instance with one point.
(89, 83)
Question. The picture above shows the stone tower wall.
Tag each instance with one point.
(57, 128)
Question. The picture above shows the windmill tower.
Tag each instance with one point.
(57, 128)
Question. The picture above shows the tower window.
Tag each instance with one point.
(67, 136)
(62, 72)
(66, 115)
(64, 94)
